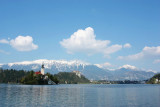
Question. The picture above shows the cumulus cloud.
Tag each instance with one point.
(23, 43)
(127, 45)
(20, 43)
(147, 52)
(85, 41)
(4, 41)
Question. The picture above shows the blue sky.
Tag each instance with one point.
(108, 32)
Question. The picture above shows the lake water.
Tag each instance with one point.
(80, 95)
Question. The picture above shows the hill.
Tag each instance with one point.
(12, 76)
(71, 78)
(154, 80)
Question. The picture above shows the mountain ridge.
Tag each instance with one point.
(91, 71)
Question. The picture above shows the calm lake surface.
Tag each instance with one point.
(82, 95)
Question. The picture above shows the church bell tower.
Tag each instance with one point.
(42, 69)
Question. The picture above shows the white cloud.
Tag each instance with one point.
(156, 61)
(20, 43)
(127, 45)
(4, 41)
(85, 41)
(23, 43)
(147, 52)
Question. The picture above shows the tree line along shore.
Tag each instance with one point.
(31, 78)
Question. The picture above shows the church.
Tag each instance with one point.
(44, 77)
(42, 70)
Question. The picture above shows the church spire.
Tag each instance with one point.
(42, 69)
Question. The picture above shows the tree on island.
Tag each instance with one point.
(154, 80)
(11, 76)
(33, 78)
(39, 79)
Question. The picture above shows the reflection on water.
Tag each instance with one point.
(79, 95)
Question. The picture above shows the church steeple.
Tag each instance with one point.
(42, 65)
(42, 69)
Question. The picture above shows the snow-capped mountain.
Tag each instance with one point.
(60, 65)
(128, 67)
(126, 72)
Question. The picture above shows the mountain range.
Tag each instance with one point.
(91, 71)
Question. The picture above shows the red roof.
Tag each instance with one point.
(38, 72)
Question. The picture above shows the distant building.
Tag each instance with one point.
(78, 73)
(65, 82)
(156, 81)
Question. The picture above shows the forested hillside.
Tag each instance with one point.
(12, 76)
(71, 78)
(29, 77)
(154, 80)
